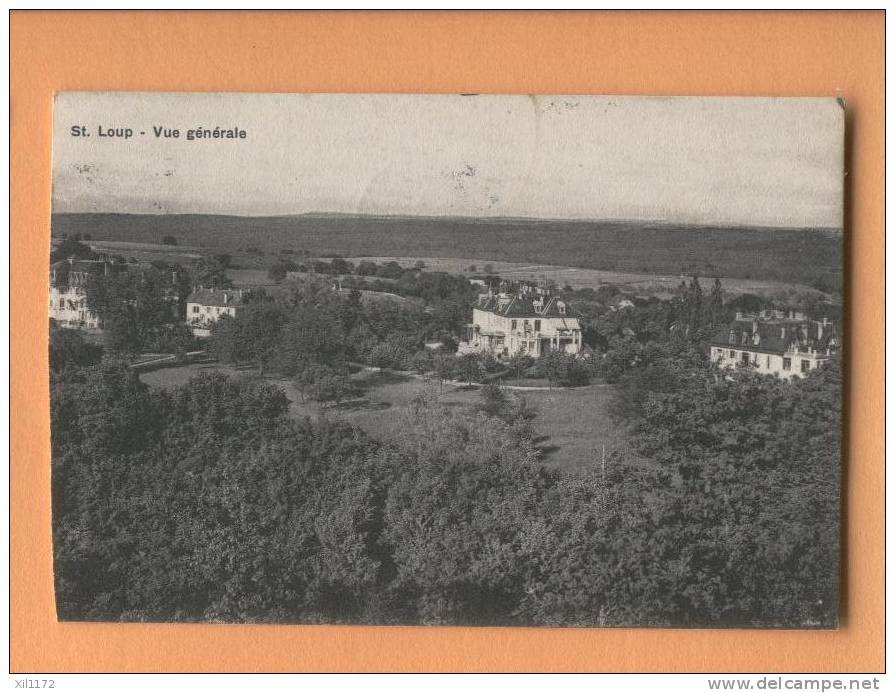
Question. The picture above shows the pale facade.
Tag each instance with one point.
(204, 307)
(68, 307)
(68, 293)
(775, 343)
(532, 324)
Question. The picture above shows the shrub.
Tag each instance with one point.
(565, 370)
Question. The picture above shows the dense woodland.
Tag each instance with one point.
(208, 502)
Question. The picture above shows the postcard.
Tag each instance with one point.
(498, 360)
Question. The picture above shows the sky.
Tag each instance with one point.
(740, 161)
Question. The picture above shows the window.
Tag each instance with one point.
(195, 309)
(512, 324)
(768, 362)
(787, 364)
(805, 365)
(537, 325)
(733, 354)
(745, 357)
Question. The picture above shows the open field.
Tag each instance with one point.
(574, 424)
(248, 277)
(581, 278)
(794, 255)
(147, 252)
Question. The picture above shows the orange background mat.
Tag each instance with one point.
(672, 53)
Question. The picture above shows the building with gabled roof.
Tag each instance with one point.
(204, 307)
(775, 342)
(530, 322)
(68, 292)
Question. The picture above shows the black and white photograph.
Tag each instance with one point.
(472, 360)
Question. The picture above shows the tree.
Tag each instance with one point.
(135, 305)
(692, 305)
(331, 388)
(746, 501)
(71, 248)
(494, 399)
(565, 370)
(351, 310)
(280, 269)
(207, 503)
(323, 384)
(446, 368)
(661, 367)
(747, 303)
(69, 349)
(212, 272)
(716, 304)
(469, 368)
(390, 270)
(464, 488)
(519, 363)
(311, 332)
(621, 356)
(340, 265)
(422, 361)
(252, 336)
(366, 268)
(223, 259)
(169, 240)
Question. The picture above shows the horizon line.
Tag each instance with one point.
(592, 220)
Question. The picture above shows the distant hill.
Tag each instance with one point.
(809, 256)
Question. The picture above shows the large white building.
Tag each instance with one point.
(204, 307)
(532, 322)
(68, 293)
(774, 342)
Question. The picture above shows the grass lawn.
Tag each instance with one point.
(573, 425)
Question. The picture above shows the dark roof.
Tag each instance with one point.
(776, 336)
(74, 272)
(79, 265)
(524, 307)
(215, 297)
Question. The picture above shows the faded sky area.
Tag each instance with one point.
(738, 161)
